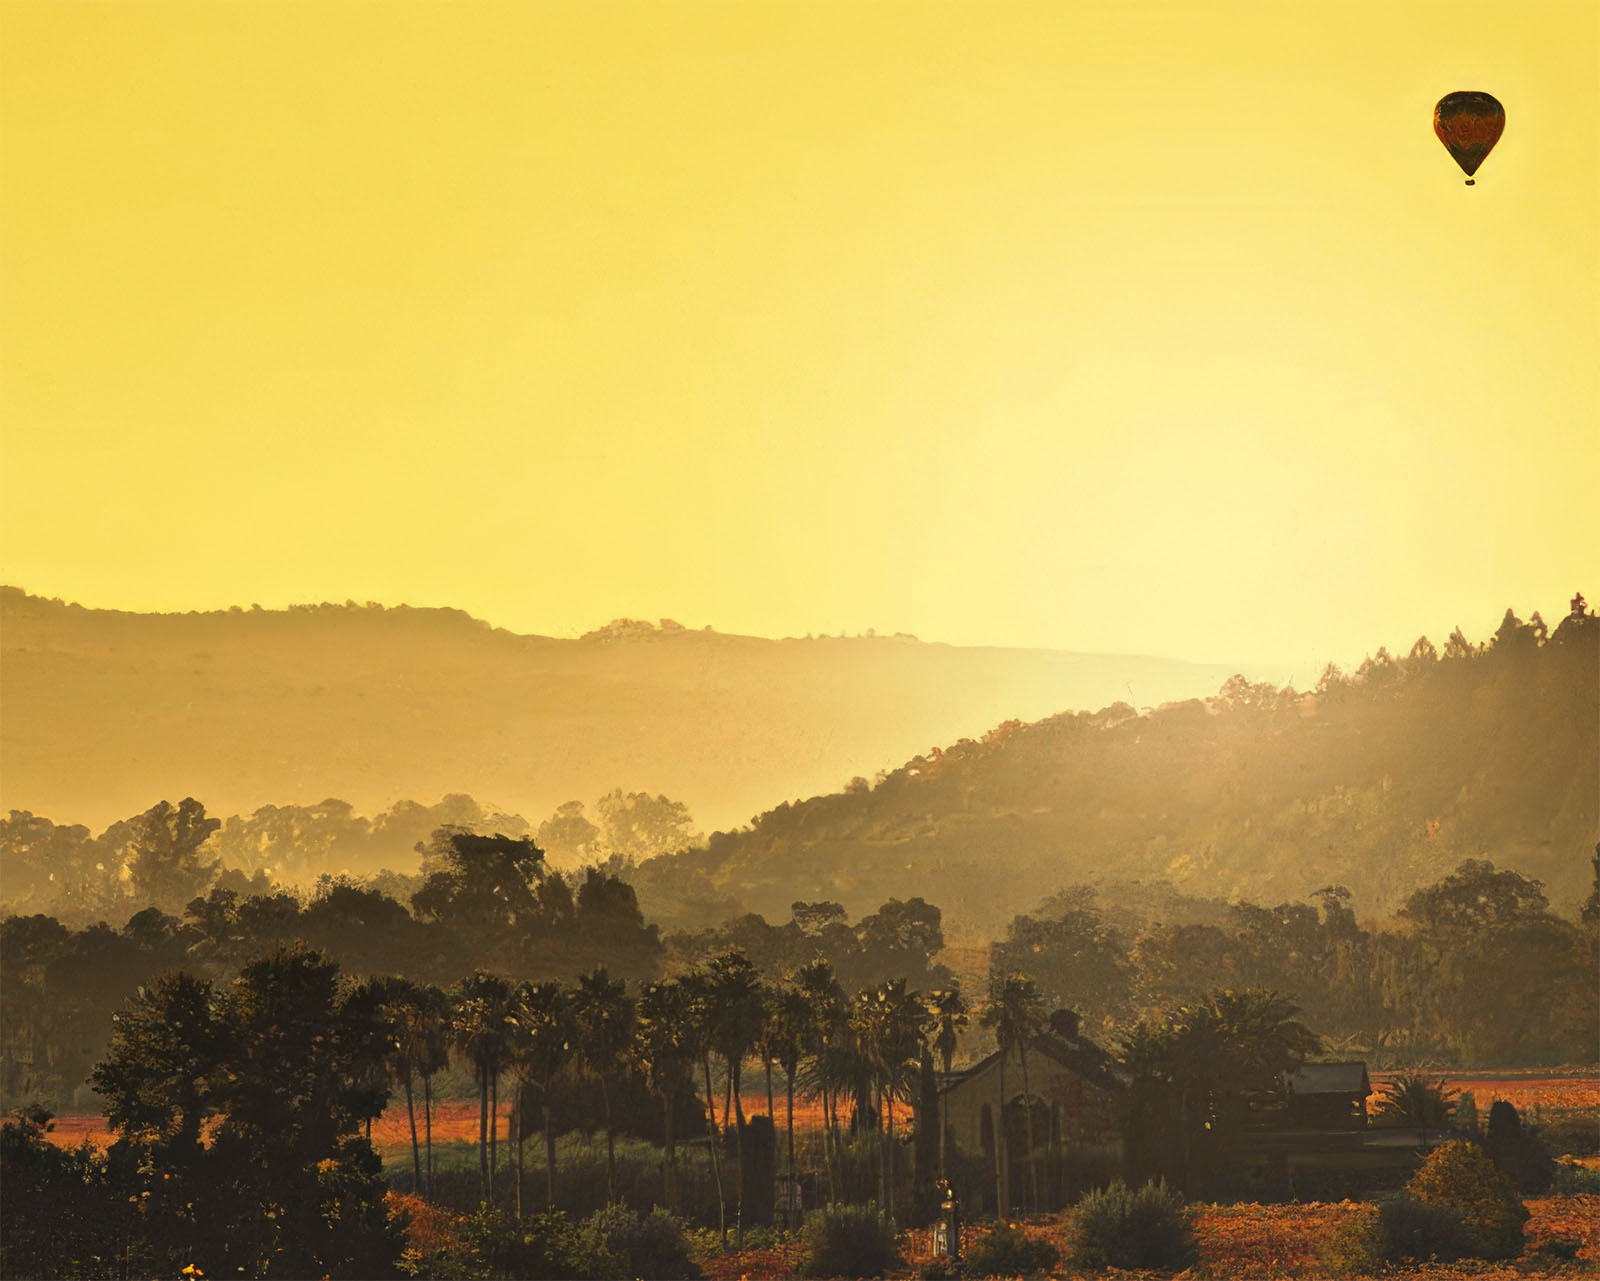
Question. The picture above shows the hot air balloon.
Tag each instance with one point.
(1469, 123)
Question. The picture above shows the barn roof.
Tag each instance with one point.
(1328, 1078)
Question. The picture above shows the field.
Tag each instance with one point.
(1544, 1096)
(1250, 1241)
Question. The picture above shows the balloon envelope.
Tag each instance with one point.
(1469, 123)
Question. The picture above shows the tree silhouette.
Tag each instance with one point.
(789, 1025)
(664, 1054)
(160, 850)
(481, 1026)
(948, 1008)
(1014, 1013)
(543, 1042)
(604, 1017)
(735, 1005)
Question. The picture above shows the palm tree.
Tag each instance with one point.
(698, 1032)
(426, 1028)
(605, 1029)
(948, 1007)
(822, 992)
(407, 1063)
(480, 1025)
(1014, 1012)
(545, 1035)
(736, 1009)
(789, 1023)
(888, 1024)
(1207, 1053)
(663, 1052)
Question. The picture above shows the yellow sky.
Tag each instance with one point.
(1166, 327)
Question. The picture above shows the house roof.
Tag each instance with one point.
(1328, 1078)
(1084, 1057)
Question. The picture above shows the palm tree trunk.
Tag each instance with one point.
(416, 1156)
(427, 1121)
(483, 1131)
(1001, 1174)
(771, 1111)
(668, 1169)
(1033, 1165)
(789, 1073)
(494, 1127)
(716, 1163)
(734, 1074)
(549, 1152)
(611, 1150)
(888, 1200)
(516, 1125)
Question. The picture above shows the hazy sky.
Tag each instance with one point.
(1163, 327)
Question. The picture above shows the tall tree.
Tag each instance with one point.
(482, 1028)
(948, 1008)
(160, 851)
(1014, 1014)
(700, 1030)
(663, 1053)
(736, 1008)
(604, 1016)
(789, 1024)
(422, 1023)
(544, 1041)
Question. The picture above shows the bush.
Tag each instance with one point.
(1119, 1228)
(1010, 1252)
(1408, 1229)
(847, 1241)
(651, 1246)
(1516, 1150)
(1461, 1176)
(1572, 1179)
(540, 1247)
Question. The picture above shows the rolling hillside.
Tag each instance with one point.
(106, 712)
(1381, 782)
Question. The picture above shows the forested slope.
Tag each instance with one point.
(1381, 781)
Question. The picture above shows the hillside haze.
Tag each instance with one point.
(107, 711)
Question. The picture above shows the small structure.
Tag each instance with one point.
(1327, 1096)
(1076, 1100)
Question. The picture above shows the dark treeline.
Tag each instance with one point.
(488, 902)
(1472, 970)
(1475, 969)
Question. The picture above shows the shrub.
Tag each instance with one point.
(1413, 1098)
(847, 1241)
(1461, 1175)
(1572, 1179)
(1119, 1228)
(652, 1245)
(1008, 1251)
(1408, 1229)
(540, 1247)
(1516, 1150)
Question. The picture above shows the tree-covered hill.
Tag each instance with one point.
(1380, 781)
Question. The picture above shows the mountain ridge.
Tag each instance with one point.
(109, 710)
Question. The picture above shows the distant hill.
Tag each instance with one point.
(106, 712)
(1381, 782)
